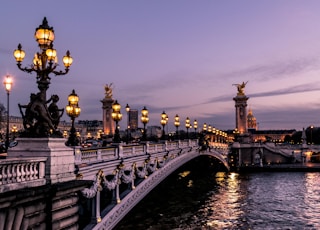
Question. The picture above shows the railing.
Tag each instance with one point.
(133, 166)
(153, 148)
(29, 172)
(21, 173)
(88, 156)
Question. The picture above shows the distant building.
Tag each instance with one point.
(90, 128)
(251, 121)
(276, 136)
(133, 119)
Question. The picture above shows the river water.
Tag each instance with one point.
(197, 198)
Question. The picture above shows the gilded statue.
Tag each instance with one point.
(108, 90)
(241, 87)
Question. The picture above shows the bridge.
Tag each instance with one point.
(106, 183)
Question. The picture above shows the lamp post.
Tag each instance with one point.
(177, 124)
(73, 111)
(7, 84)
(163, 122)
(311, 127)
(14, 130)
(116, 116)
(195, 126)
(236, 134)
(128, 125)
(167, 123)
(214, 134)
(187, 126)
(44, 63)
(144, 120)
(204, 127)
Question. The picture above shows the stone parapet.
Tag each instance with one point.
(60, 164)
(22, 173)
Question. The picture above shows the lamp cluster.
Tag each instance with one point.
(128, 125)
(163, 122)
(216, 134)
(144, 120)
(44, 61)
(7, 84)
(43, 122)
(73, 110)
(116, 116)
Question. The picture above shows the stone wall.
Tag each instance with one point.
(46, 207)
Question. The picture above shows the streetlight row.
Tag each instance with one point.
(211, 129)
(73, 111)
(164, 118)
(44, 121)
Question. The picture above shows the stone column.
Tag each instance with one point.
(241, 113)
(107, 121)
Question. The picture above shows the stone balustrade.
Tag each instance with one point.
(94, 155)
(20, 173)
(16, 173)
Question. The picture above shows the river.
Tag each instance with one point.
(195, 197)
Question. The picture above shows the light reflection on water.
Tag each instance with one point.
(223, 208)
(232, 201)
(264, 201)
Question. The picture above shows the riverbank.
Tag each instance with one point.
(301, 167)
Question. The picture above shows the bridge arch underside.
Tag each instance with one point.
(113, 214)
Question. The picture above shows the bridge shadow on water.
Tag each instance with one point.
(175, 199)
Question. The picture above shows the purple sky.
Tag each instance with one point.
(180, 56)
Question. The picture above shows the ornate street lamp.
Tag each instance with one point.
(214, 134)
(73, 110)
(128, 125)
(163, 122)
(187, 126)
(195, 126)
(177, 124)
(144, 120)
(7, 84)
(116, 116)
(14, 130)
(204, 127)
(43, 122)
(167, 123)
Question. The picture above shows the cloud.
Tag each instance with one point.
(289, 90)
(268, 119)
(303, 88)
(276, 70)
(286, 117)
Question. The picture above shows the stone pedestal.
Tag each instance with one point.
(241, 113)
(60, 164)
(108, 123)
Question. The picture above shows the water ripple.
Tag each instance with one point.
(232, 201)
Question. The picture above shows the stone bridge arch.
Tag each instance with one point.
(110, 218)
